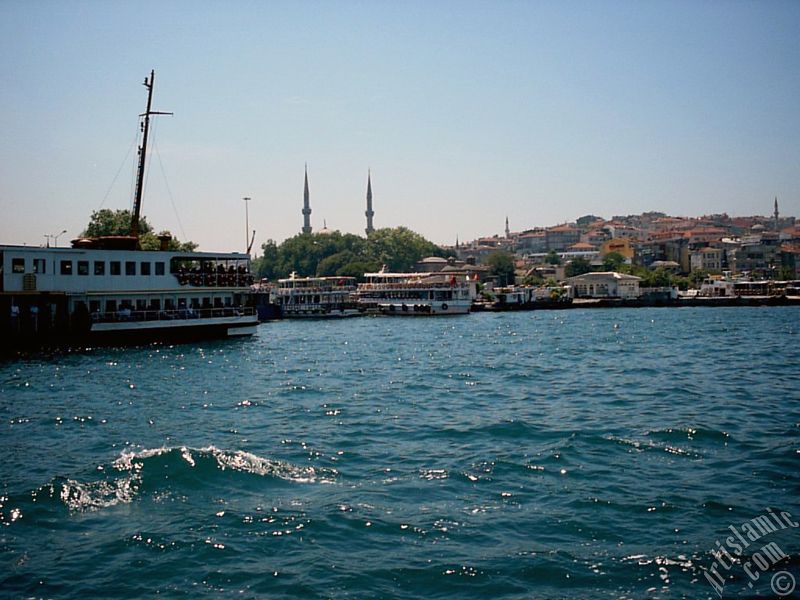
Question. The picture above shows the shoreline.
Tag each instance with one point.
(712, 302)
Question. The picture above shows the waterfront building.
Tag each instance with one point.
(431, 264)
(604, 284)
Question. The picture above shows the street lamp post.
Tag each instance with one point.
(54, 237)
(246, 222)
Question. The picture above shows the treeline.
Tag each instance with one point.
(343, 254)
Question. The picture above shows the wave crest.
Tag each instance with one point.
(142, 470)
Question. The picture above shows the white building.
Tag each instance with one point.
(604, 285)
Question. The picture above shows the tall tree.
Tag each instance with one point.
(105, 222)
(113, 222)
(501, 265)
(577, 266)
(613, 261)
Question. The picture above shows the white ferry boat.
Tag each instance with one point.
(114, 296)
(316, 297)
(417, 293)
(107, 289)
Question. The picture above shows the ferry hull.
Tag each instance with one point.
(56, 331)
(158, 331)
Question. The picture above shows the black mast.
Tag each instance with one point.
(137, 203)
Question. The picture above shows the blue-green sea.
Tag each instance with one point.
(602, 453)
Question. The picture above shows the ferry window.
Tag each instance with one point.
(94, 306)
(111, 306)
(66, 267)
(159, 268)
(17, 265)
(144, 268)
(39, 265)
(141, 304)
(115, 268)
(83, 267)
(99, 267)
(130, 267)
(169, 304)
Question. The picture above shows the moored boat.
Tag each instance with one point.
(407, 294)
(108, 290)
(316, 297)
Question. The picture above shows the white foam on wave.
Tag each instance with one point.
(247, 462)
(237, 460)
(99, 494)
(79, 496)
(127, 461)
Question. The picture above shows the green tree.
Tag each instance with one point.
(113, 222)
(533, 279)
(660, 277)
(786, 273)
(577, 266)
(357, 269)
(264, 266)
(333, 264)
(697, 276)
(335, 253)
(552, 258)
(399, 248)
(106, 222)
(501, 265)
(613, 261)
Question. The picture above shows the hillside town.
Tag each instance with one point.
(754, 247)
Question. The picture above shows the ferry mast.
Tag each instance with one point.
(137, 202)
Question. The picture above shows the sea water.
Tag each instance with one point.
(547, 454)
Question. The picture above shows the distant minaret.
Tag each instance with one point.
(777, 214)
(306, 207)
(370, 213)
(508, 231)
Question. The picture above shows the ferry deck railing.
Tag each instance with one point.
(172, 315)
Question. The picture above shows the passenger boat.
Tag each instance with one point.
(108, 290)
(410, 294)
(316, 297)
(513, 298)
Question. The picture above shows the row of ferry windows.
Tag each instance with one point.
(156, 304)
(99, 267)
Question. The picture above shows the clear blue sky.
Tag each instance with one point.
(464, 111)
